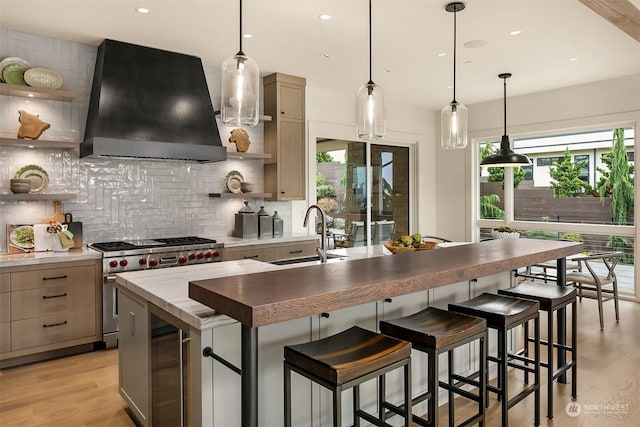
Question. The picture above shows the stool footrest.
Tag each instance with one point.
(563, 369)
(523, 393)
(375, 421)
(460, 391)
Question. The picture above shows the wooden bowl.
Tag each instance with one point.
(400, 250)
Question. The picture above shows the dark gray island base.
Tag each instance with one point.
(276, 296)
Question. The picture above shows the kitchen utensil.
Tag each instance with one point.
(12, 61)
(265, 223)
(57, 214)
(17, 185)
(278, 224)
(246, 222)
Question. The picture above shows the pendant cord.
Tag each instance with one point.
(370, 50)
(241, 29)
(455, 13)
(505, 106)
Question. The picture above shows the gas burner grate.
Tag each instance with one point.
(113, 246)
(185, 241)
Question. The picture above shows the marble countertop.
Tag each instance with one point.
(31, 258)
(168, 288)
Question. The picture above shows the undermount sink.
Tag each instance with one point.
(330, 258)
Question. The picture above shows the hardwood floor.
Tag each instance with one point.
(82, 390)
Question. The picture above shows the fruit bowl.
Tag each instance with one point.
(426, 245)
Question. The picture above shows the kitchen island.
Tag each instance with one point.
(309, 302)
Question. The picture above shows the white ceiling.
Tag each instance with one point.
(289, 37)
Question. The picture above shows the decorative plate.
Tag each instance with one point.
(233, 181)
(13, 60)
(14, 74)
(42, 77)
(22, 237)
(38, 176)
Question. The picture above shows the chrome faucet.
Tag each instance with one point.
(322, 250)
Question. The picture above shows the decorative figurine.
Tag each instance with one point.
(30, 125)
(240, 137)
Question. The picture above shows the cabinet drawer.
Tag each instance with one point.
(52, 329)
(51, 300)
(53, 276)
(5, 337)
(295, 251)
(259, 254)
(5, 282)
(5, 307)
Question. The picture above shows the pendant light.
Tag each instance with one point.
(506, 157)
(454, 115)
(370, 120)
(240, 88)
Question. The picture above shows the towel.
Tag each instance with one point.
(66, 238)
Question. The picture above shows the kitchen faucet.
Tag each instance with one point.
(322, 250)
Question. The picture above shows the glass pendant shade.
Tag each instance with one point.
(370, 117)
(454, 126)
(240, 103)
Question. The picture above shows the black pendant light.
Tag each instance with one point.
(506, 157)
(370, 117)
(454, 115)
(240, 88)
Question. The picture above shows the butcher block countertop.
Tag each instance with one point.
(275, 296)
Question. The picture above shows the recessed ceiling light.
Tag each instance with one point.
(573, 59)
(442, 54)
(324, 17)
(449, 87)
(325, 55)
(247, 35)
(143, 10)
(474, 44)
(515, 32)
(468, 61)
(386, 70)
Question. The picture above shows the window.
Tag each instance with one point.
(548, 161)
(584, 171)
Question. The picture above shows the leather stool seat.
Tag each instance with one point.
(551, 298)
(435, 331)
(345, 360)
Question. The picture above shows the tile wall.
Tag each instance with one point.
(115, 199)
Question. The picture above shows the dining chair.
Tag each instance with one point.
(593, 282)
(383, 231)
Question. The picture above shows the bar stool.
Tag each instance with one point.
(434, 332)
(504, 313)
(345, 360)
(551, 298)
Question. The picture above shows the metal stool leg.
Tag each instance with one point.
(287, 395)
(537, 371)
(432, 378)
(356, 405)
(337, 407)
(574, 350)
(502, 376)
(450, 393)
(550, 370)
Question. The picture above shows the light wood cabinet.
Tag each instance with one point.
(284, 137)
(271, 251)
(49, 307)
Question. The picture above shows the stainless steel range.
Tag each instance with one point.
(133, 255)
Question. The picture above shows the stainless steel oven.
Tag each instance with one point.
(133, 255)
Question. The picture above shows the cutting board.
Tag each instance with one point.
(57, 214)
(76, 229)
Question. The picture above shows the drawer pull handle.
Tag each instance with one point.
(50, 325)
(55, 278)
(54, 296)
(299, 251)
(251, 256)
(325, 315)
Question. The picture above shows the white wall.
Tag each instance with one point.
(611, 101)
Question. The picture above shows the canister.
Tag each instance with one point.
(246, 222)
(278, 224)
(265, 223)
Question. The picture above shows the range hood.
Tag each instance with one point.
(150, 103)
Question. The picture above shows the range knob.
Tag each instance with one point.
(182, 260)
(113, 264)
(153, 262)
(142, 261)
(208, 254)
(200, 255)
(216, 254)
(192, 256)
(123, 263)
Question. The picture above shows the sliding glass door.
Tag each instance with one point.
(364, 188)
